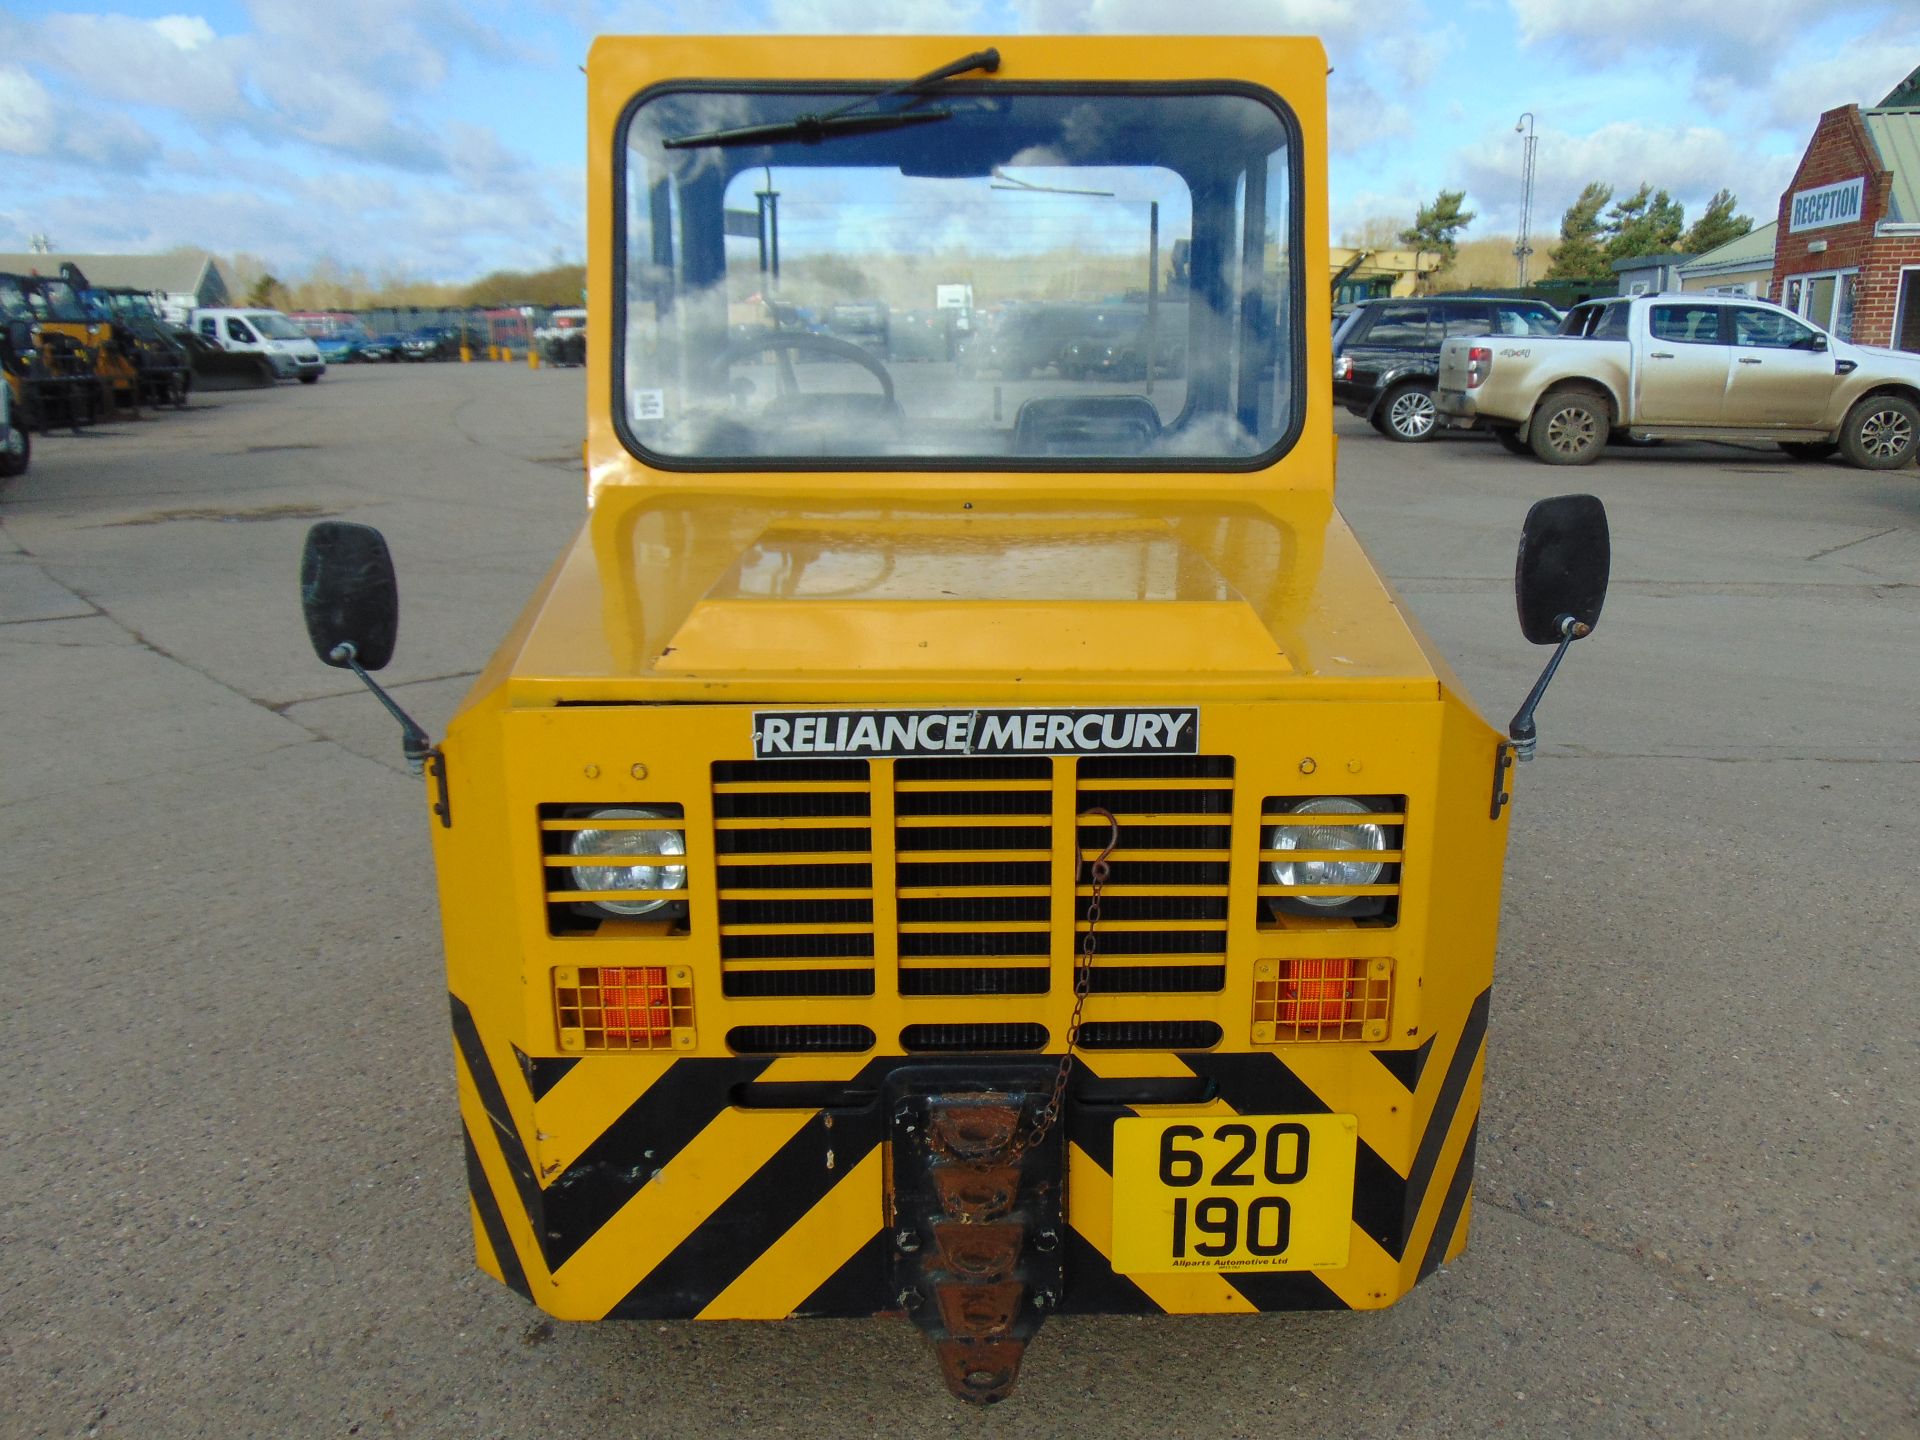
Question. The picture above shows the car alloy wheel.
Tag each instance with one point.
(1570, 430)
(1886, 434)
(1410, 414)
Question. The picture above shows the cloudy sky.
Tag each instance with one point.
(440, 139)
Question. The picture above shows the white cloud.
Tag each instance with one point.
(1860, 72)
(26, 112)
(33, 126)
(1727, 38)
(1689, 162)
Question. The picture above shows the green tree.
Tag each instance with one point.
(267, 292)
(1647, 222)
(1716, 225)
(1435, 226)
(1579, 255)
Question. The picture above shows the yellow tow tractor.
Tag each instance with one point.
(59, 311)
(950, 845)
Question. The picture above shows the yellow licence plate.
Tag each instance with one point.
(1249, 1192)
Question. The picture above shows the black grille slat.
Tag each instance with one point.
(943, 874)
(1157, 979)
(796, 877)
(1118, 909)
(796, 947)
(788, 984)
(799, 1039)
(975, 980)
(1037, 803)
(973, 837)
(793, 842)
(1155, 767)
(1158, 802)
(1160, 837)
(1149, 1035)
(796, 912)
(991, 1035)
(963, 909)
(976, 942)
(762, 805)
(979, 767)
(1162, 942)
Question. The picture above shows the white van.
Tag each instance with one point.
(264, 332)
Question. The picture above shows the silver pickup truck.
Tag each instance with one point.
(1694, 367)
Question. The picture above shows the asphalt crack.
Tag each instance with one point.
(1697, 1287)
(1848, 545)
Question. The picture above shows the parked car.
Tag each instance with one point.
(1698, 367)
(433, 342)
(343, 345)
(563, 339)
(268, 333)
(1387, 354)
(388, 345)
(1025, 339)
(1114, 345)
(16, 445)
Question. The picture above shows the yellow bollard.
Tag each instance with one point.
(466, 353)
(533, 357)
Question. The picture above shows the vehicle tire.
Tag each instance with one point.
(1570, 428)
(1511, 442)
(16, 453)
(1810, 449)
(1882, 432)
(1407, 413)
(308, 379)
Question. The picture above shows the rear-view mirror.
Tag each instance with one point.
(1561, 570)
(349, 594)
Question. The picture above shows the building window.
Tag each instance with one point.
(1906, 329)
(1827, 299)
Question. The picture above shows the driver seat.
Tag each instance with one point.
(1085, 425)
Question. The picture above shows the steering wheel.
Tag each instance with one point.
(787, 341)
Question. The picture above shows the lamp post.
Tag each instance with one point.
(1522, 249)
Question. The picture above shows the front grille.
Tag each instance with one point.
(981, 849)
(793, 853)
(1164, 907)
(973, 842)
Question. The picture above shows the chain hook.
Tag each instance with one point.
(1098, 867)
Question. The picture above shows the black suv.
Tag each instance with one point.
(1386, 356)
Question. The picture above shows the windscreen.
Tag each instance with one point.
(1006, 278)
(278, 326)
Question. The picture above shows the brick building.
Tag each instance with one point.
(1847, 250)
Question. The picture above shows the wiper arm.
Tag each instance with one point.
(844, 121)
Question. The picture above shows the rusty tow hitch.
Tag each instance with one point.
(976, 1217)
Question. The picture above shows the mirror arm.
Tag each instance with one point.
(423, 756)
(1521, 730)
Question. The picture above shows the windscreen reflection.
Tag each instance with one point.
(1103, 276)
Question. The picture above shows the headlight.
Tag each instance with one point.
(1359, 839)
(646, 847)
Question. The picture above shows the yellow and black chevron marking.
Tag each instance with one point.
(649, 1192)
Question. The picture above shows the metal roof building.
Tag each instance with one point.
(180, 280)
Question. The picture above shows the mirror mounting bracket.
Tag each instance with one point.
(1521, 731)
(423, 756)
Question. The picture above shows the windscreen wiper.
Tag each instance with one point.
(850, 118)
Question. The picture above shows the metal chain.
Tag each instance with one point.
(1048, 1114)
